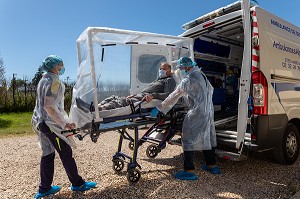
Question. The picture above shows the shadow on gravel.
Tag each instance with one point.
(255, 177)
(260, 172)
(5, 123)
(174, 161)
(145, 188)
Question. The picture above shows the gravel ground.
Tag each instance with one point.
(257, 177)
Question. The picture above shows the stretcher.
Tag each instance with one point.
(162, 130)
(160, 133)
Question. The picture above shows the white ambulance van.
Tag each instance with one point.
(252, 56)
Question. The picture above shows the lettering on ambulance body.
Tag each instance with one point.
(291, 64)
(286, 48)
(284, 27)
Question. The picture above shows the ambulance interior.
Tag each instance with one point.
(218, 51)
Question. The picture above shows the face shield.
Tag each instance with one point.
(183, 63)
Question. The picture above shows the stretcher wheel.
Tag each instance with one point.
(118, 165)
(133, 176)
(131, 145)
(152, 151)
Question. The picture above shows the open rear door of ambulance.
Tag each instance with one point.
(245, 79)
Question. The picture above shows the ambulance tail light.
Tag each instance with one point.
(260, 93)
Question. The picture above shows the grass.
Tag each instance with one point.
(15, 124)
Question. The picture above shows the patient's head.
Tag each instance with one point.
(165, 69)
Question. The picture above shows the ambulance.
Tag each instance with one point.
(253, 60)
(250, 56)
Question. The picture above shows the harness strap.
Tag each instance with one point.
(131, 104)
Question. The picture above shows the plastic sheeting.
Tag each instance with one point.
(106, 59)
(198, 131)
(50, 109)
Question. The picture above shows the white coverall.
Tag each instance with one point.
(49, 108)
(198, 130)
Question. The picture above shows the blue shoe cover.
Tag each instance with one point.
(214, 170)
(86, 186)
(184, 175)
(53, 190)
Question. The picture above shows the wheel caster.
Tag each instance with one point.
(133, 176)
(131, 145)
(152, 151)
(118, 165)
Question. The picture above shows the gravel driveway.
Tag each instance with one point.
(257, 177)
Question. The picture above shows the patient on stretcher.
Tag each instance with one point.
(158, 89)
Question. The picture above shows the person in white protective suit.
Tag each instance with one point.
(49, 119)
(198, 131)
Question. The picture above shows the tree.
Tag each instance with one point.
(2, 72)
(3, 84)
(37, 77)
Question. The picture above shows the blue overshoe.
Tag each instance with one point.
(86, 186)
(214, 170)
(184, 175)
(53, 190)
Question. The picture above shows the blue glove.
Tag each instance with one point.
(154, 112)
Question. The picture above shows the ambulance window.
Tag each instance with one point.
(148, 66)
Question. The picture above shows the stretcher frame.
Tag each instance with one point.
(138, 118)
(163, 131)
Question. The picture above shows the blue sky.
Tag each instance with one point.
(30, 30)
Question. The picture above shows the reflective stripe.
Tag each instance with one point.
(58, 143)
(255, 48)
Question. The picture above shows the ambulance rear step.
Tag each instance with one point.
(227, 155)
(226, 134)
(226, 137)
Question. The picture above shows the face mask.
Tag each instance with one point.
(162, 73)
(182, 73)
(61, 71)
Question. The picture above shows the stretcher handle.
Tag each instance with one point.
(70, 131)
(74, 133)
(139, 104)
(132, 107)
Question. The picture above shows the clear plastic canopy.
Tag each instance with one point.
(121, 62)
